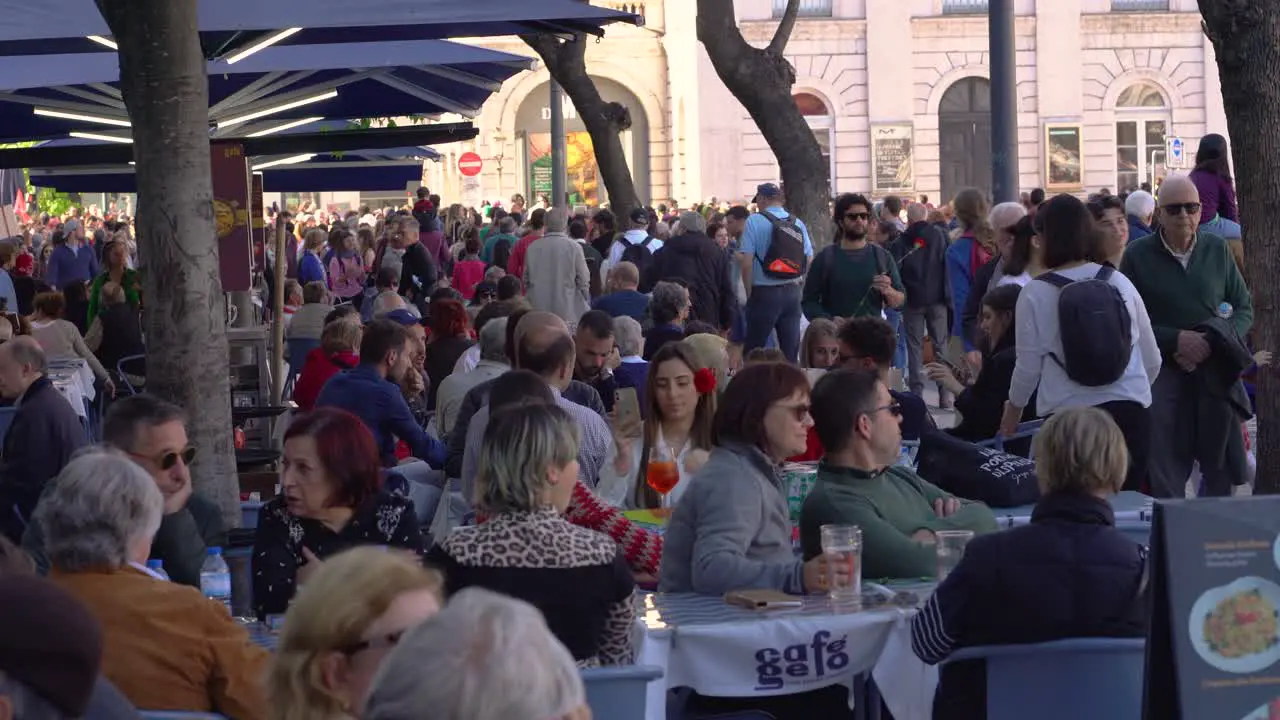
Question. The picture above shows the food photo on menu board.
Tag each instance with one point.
(1213, 648)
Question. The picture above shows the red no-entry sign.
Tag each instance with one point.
(470, 164)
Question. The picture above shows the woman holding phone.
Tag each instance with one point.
(655, 457)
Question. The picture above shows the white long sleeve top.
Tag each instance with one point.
(1037, 336)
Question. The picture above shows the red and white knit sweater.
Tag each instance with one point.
(642, 548)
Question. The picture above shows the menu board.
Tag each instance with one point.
(1213, 650)
(891, 162)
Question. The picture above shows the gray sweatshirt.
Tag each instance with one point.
(731, 529)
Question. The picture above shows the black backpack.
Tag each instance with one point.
(1094, 324)
(785, 259)
(640, 255)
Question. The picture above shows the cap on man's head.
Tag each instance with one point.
(401, 316)
(639, 216)
(49, 642)
(768, 190)
(71, 225)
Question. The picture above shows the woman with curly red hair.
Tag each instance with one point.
(450, 337)
(679, 403)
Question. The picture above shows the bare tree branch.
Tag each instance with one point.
(782, 35)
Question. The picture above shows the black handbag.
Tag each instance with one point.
(974, 472)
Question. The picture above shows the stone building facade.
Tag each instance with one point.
(896, 92)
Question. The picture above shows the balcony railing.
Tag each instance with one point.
(808, 8)
(963, 7)
(1139, 5)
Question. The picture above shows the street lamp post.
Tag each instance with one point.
(498, 142)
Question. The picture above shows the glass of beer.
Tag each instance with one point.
(950, 544)
(661, 475)
(842, 546)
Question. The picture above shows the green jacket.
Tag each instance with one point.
(1179, 299)
(838, 287)
(486, 253)
(132, 283)
(889, 507)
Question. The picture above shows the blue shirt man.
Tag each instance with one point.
(369, 391)
(773, 303)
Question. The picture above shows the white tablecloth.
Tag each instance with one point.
(720, 650)
(73, 378)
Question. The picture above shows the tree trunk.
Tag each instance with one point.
(761, 80)
(1247, 42)
(163, 81)
(567, 62)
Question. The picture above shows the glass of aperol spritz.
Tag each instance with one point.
(661, 475)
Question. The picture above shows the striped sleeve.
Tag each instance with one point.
(939, 628)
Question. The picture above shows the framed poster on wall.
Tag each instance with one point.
(892, 162)
(1063, 160)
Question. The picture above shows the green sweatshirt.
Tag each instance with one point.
(889, 506)
(1179, 299)
(838, 281)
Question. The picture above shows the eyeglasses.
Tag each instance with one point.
(1190, 208)
(379, 642)
(800, 412)
(894, 408)
(855, 216)
(169, 459)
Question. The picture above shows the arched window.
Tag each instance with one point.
(822, 124)
(1142, 121)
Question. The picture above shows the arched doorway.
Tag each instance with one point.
(585, 185)
(822, 123)
(964, 137)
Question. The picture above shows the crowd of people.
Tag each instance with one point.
(526, 375)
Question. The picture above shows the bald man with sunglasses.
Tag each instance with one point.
(1191, 285)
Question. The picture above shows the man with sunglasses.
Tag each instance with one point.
(860, 483)
(153, 434)
(868, 343)
(1191, 285)
(853, 277)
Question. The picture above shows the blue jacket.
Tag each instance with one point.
(1068, 574)
(960, 274)
(43, 435)
(377, 401)
(1137, 228)
(310, 269)
(67, 266)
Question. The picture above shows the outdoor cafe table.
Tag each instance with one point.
(722, 650)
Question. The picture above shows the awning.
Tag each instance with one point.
(389, 169)
(229, 25)
(60, 94)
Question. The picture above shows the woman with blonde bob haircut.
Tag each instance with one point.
(340, 628)
(1068, 574)
(526, 548)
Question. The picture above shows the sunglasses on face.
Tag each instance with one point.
(856, 216)
(799, 412)
(170, 459)
(894, 408)
(1190, 208)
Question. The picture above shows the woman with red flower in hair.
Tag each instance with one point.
(679, 403)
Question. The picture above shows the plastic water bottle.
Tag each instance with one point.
(1225, 311)
(215, 577)
(157, 567)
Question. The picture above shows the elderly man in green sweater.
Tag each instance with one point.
(1191, 285)
(859, 484)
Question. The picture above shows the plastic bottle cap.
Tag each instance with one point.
(155, 564)
(214, 551)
